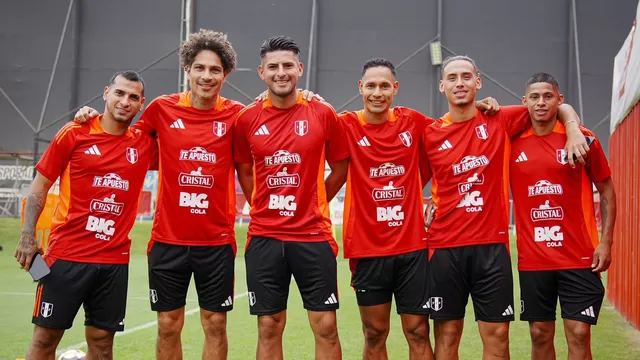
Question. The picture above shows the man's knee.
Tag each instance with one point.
(417, 330)
(578, 333)
(542, 334)
(170, 323)
(100, 340)
(214, 323)
(324, 325)
(271, 326)
(448, 332)
(46, 339)
(375, 334)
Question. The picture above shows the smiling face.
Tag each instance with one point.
(124, 98)
(542, 99)
(460, 82)
(206, 75)
(378, 86)
(280, 70)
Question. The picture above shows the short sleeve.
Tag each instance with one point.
(513, 119)
(241, 148)
(57, 156)
(148, 120)
(425, 167)
(336, 147)
(597, 166)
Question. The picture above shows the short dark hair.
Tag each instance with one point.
(452, 58)
(128, 75)
(542, 78)
(209, 40)
(278, 43)
(378, 62)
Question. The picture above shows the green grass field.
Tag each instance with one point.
(613, 338)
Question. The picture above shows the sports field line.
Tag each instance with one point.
(140, 327)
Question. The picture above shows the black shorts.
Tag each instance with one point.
(170, 269)
(580, 291)
(270, 264)
(377, 279)
(100, 288)
(484, 271)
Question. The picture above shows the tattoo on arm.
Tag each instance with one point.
(604, 202)
(33, 209)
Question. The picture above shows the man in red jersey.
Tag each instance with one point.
(468, 240)
(280, 147)
(559, 255)
(383, 234)
(101, 169)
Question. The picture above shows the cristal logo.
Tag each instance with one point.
(283, 179)
(469, 163)
(282, 157)
(544, 187)
(111, 180)
(198, 153)
(388, 192)
(108, 205)
(195, 178)
(547, 212)
(386, 169)
(476, 179)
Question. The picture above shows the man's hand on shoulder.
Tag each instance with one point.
(488, 106)
(85, 114)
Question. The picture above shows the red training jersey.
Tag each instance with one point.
(196, 204)
(468, 162)
(288, 148)
(101, 177)
(383, 201)
(553, 203)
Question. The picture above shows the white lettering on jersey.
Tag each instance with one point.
(545, 187)
(391, 214)
(547, 212)
(107, 205)
(285, 203)
(197, 202)
(552, 235)
(198, 153)
(469, 163)
(386, 169)
(112, 181)
(388, 192)
(465, 186)
(282, 157)
(103, 228)
(283, 179)
(195, 178)
(472, 202)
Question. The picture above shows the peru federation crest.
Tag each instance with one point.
(219, 128)
(481, 132)
(406, 138)
(132, 155)
(301, 127)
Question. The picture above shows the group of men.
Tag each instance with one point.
(278, 146)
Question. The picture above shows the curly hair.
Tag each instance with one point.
(209, 40)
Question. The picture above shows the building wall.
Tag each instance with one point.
(510, 41)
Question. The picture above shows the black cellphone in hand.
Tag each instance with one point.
(590, 140)
(39, 267)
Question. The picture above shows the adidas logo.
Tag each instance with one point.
(228, 302)
(93, 150)
(508, 311)
(522, 157)
(589, 312)
(446, 145)
(332, 299)
(177, 124)
(364, 141)
(262, 130)
(427, 305)
(121, 323)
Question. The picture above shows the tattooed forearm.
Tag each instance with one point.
(35, 204)
(604, 203)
